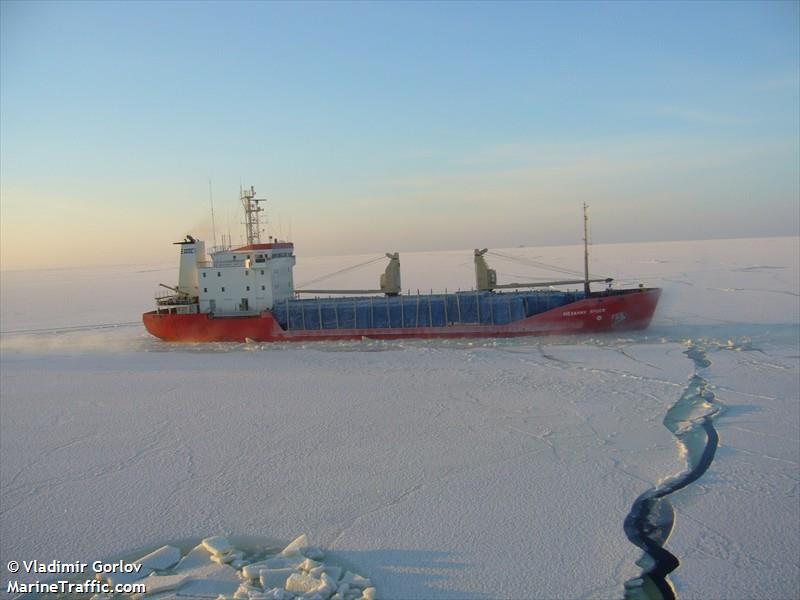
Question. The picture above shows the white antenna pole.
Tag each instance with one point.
(230, 242)
(585, 250)
(213, 224)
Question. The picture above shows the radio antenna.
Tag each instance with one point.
(213, 224)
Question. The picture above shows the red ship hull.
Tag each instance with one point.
(618, 311)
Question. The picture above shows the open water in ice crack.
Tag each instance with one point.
(651, 518)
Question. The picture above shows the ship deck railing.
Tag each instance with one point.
(172, 299)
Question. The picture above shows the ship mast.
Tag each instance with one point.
(585, 250)
(251, 213)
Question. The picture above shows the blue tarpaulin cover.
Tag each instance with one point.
(434, 310)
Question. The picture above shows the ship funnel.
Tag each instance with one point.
(485, 278)
(390, 279)
(192, 252)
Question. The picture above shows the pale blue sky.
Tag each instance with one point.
(383, 126)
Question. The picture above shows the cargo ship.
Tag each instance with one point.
(247, 293)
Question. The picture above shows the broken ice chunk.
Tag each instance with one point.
(253, 570)
(301, 583)
(227, 557)
(328, 586)
(296, 546)
(115, 579)
(334, 572)
(634, 583)
(368, 594)
(163, 558)
(354, 580)
(276, 562)
(256, 593)
(246, 591)
(308, 564)
(197, 557)
(157, 584)
(280, 562)
(208, 588)
(313, 553)
(646, 562)
(217, 545)
(274, 578)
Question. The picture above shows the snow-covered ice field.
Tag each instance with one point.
(460, 469)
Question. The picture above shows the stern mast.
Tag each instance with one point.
(586, 289)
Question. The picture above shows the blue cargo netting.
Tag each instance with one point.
(434, 310)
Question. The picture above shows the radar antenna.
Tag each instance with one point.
(252, 215)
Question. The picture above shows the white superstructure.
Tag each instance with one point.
(245, 280)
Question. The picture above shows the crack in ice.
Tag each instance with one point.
(651, 518)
